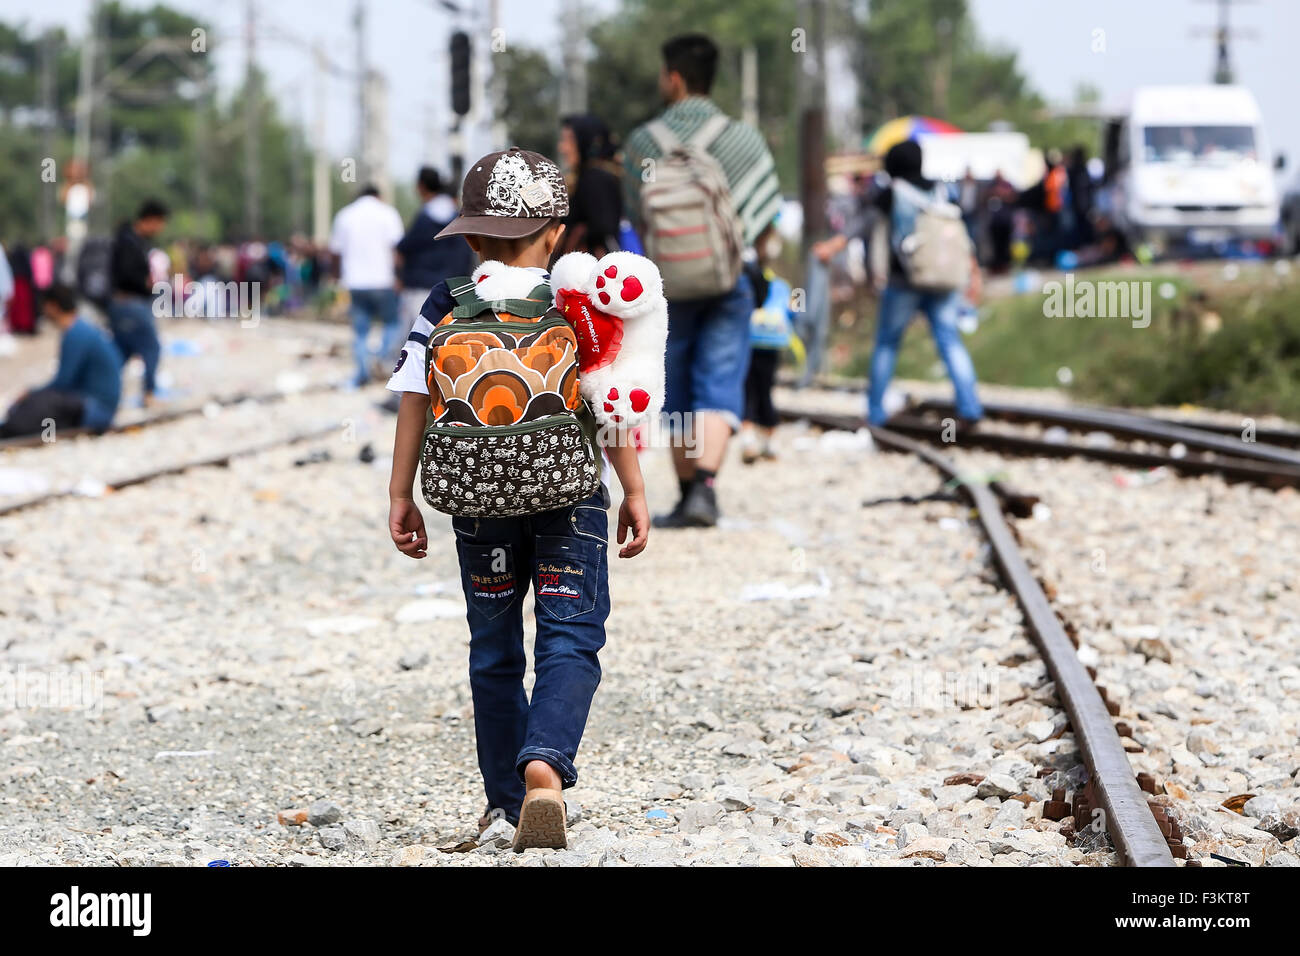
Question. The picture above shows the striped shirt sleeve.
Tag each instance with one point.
(408, 376)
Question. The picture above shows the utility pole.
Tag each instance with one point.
(252, 127)
(363, 121)
(749, 85)
(1223, 34)
(47, 132)
(320, 178)
(573, 87)
(497, 85)
(812, 125)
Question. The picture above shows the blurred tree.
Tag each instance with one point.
(623, 74)
(532, 99)
(926, 57)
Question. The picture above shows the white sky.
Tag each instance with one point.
(1147, 41)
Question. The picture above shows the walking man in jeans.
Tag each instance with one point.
(708, 339)
(365, 234)
(130, 311)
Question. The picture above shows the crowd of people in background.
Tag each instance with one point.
(724, 349)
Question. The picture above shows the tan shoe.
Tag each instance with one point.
(541, 821)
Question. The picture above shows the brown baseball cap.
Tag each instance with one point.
(509, 195)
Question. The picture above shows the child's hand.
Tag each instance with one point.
(406, 525)
(635, 515)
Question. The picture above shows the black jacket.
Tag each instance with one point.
(130, 263)
(426, 261)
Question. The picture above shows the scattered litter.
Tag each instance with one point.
(319, 456)
(20, 481)
(218, 863)
(289, 382)
(1136, 479)
(656, 814)
(90, 488)
(183, 348)
(430, 609)
(1065, 375)
(184, 753)
(339, 625)
(951, 524)
(780, 591)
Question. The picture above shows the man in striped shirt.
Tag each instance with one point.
(708, 339)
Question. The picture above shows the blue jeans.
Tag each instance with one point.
(374, 305)
(898, 303)
(564, 554)
(134, 332)
(708, 354)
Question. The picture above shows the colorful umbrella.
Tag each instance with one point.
(905, 127)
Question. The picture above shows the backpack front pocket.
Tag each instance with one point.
(500, 471)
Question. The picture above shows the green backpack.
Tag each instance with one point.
(507, 431)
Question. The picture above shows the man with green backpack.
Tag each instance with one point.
(700, 187)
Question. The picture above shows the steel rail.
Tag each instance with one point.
(170, 415)
(1128, 820)
(223, 458)
(1132, 425)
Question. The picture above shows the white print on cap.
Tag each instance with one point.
(513, 189)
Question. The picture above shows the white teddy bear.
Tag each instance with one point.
(617, 308)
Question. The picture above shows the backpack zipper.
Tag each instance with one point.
(518, 428)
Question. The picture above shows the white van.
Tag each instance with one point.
(1191, 164)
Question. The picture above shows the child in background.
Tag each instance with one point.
(770, 333)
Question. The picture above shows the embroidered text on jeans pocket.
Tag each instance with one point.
(489, 576)
(566, 573)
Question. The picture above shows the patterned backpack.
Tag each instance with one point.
(508, 432)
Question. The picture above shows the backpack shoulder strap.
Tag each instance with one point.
(711, 130)
(663, 136)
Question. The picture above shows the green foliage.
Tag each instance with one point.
(624, 69)
(926, 57)
(532, 99)
(1250, 365)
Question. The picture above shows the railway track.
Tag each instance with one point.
(221, 459)
(1178, 448)
(171, 415)
(1141, 833)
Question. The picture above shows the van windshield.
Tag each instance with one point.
(1199, 144)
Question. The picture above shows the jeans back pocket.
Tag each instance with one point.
(488, 577)
(567, 575)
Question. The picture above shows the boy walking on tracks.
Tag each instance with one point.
(492, 410)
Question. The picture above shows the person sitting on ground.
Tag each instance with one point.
(88, 384)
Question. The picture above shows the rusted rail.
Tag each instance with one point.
(1112, 785)
(221, 459)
